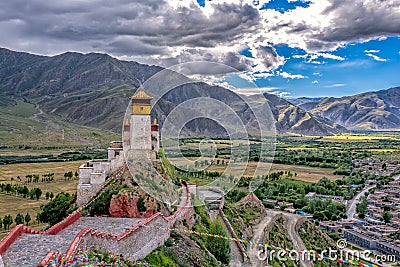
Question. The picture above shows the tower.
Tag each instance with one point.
(140, 127)
(126, 137)
(155, 139)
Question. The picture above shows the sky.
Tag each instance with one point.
(291, 48)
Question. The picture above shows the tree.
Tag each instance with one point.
(219, 247)
(55, 210)
(51, 195)
(1, 223)
(47, 195)
(8, 188)
(19, 219)
(386, 216)
(141, 205)
(7, 221)
(38, 193)
(27, 218)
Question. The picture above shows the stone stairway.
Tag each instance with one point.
(30, 249)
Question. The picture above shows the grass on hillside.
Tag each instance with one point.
(22, 125)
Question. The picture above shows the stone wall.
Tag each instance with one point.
(140, 240)
(85, 191)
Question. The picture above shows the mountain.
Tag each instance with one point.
(93, 89)
(366, 111)
(303, 100)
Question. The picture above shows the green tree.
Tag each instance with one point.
(386, 216)
(19, 219)
(27, 218)
(8, 188)
(55, 210)
(219, 247)
(7, 221)
(38, 193)
(141, 205)
(51, 195)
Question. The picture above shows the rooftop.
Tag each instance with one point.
(141, 94)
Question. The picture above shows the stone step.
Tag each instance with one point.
(29, 249)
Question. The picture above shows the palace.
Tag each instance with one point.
(138, 134)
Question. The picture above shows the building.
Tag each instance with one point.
(360, 239)
(138, 134)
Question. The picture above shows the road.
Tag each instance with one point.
(258, 236)
(351, 211)
(290, 224)
(298, 244)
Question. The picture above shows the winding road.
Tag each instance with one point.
(351, 211)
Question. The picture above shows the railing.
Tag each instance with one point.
(73, 248)
(55, 229)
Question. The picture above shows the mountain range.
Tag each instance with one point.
(93, 89)
(367, 111)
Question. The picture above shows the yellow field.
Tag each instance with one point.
(307, 174)
(31, 152)
(14, 205)
(22, 169)
(357, 138)
(304, 173)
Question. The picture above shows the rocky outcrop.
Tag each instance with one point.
(125, 204)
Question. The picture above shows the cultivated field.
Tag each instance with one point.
(22, 169)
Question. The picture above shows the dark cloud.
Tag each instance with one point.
(164, 32)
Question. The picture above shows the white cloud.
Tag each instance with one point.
(336, 85)
(372, 51)
(286, 75)
(313, 57)
(314, 82)
(377, 58)
(255, 91)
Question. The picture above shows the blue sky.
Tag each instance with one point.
(353, 68)
(368, 66)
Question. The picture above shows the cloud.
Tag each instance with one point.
(372, 51)
(336, 85)
(377, 58)
(291, 76)
(313, 57)
(314, 82)
(255, 91)
(167, 32)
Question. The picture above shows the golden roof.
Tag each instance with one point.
(141, 94)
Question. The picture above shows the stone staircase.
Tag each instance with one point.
(30, 249)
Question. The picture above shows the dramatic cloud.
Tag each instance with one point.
(170, 32)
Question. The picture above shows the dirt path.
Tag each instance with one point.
(258, 236)
(290, 223)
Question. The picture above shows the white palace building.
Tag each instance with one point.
(138, 134)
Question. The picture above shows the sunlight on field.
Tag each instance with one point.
(22, 169)
(358, 138)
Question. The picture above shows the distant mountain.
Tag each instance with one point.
(366, 111)
(93, 90)
(303, 100)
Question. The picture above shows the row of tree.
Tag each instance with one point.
(8, 220)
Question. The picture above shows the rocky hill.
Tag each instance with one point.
(366, 111)
(93, 89)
